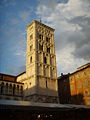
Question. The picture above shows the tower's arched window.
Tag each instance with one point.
(47, 39)
(31, 47)
(40, 47)
(31, 36)
(40, 37)
(31, 59)
(45, 60)
(48, 50)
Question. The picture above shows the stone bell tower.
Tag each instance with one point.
(41, 64)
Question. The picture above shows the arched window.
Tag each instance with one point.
(31, 36)
(31, 47)
(47, 39)
(21, 90)
(2, 87)
(40, 47)
(17, 89)
(10, 89)
(6, 88)
(40, 37)
(45, 60)
(14, 89)
(48, 49)
(31, 59)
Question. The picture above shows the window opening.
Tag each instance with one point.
(45, 60)
(2, 88)
(6, 91)
(47, 39)
(48, 50)
(40, 47)
(14, 87)
(31, 60)
(21, 90)
(17, 89)
(31, 36)
(31, 47)
(40, 37)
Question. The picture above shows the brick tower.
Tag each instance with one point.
(41, 76)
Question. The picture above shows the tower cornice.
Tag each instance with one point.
(35, 21)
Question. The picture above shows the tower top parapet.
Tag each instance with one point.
(35, 21)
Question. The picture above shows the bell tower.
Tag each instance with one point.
(41, 64)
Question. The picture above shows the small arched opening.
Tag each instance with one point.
(31, 59)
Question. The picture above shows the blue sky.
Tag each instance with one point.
(15, 16)
(70, 20)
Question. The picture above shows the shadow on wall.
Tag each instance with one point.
(64, 92)
(77, 99)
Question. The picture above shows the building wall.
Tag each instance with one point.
(64, 89)
(7, 77)
(21, 77)
(11, 90)
(46, 59)
(75, 87)
(80, 85)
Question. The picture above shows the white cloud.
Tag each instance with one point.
(74, 8)
(70, 21)
(66, 62)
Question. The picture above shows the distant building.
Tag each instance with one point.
(39, 81)
(74, 88)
